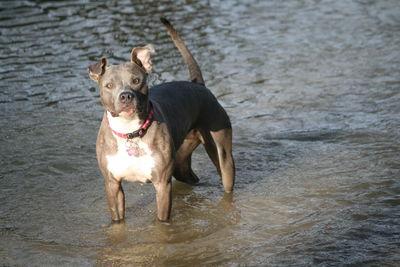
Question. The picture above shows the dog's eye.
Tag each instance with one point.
(109, 85)
(136, 81)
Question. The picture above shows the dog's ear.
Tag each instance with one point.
(97, 69)
(141, 56)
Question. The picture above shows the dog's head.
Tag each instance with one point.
(123, 88)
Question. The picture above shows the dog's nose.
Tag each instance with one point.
(126, 97)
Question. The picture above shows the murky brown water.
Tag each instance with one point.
(313, 90)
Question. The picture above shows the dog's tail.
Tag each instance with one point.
(194, 69)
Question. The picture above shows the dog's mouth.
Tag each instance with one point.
(128, 105)
(114, 114)
(126, 111)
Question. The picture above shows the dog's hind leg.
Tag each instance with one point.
(211, 149)
(183, 170)
(218, 145)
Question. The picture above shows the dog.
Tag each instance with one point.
(148, 134)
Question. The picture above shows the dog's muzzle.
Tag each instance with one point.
(126, 98)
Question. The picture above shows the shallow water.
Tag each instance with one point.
(312, 88)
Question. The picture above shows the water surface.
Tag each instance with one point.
(312, 88)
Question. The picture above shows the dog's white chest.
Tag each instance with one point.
(131, 167)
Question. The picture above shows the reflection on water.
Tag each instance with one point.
(312, 88)
(206, 221)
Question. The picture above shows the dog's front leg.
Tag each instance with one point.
(116, 199)
(163, 197)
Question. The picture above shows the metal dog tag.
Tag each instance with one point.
(132, 148)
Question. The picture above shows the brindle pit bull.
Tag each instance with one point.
(148, 135)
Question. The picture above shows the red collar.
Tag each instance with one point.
(141, 131)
